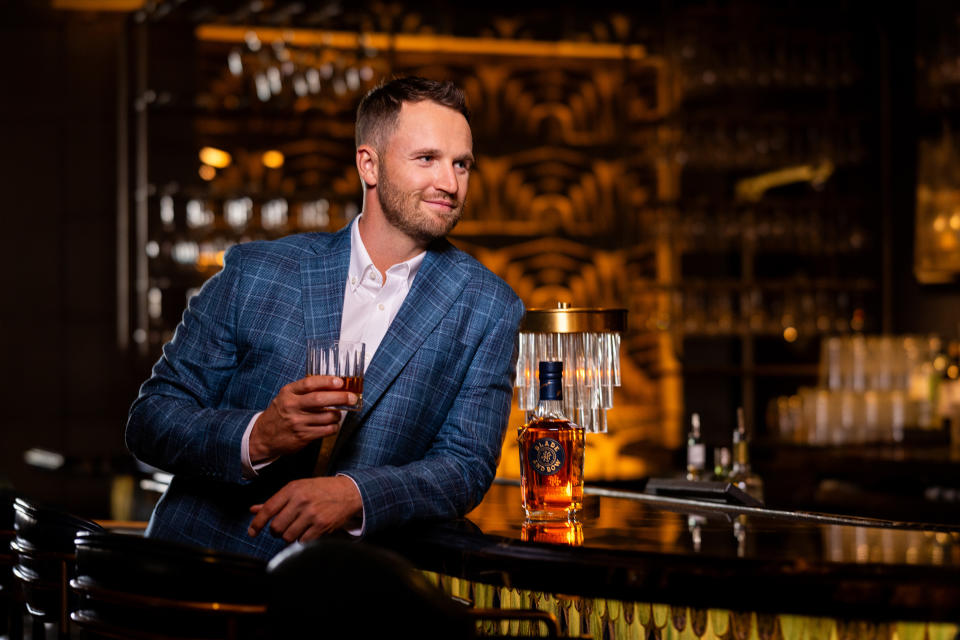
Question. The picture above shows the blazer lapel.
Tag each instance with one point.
(323, 278)
(437, 286)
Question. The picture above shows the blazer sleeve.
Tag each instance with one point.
(461, 463)
(175, 423)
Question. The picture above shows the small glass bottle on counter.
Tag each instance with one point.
(741, 475)
(696, 450)
(721, 464)
(551, 454)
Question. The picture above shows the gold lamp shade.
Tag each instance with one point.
(565, 319)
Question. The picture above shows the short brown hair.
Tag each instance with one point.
(379, 109)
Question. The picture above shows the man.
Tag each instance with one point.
(230, 413)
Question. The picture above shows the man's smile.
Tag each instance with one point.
(442, 203)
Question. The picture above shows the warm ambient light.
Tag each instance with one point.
(215, 157)
(272, 159)
(947, 242)
(207, 172)
(423, 43)
(98, 5)
(940, 363)
(210, 259)
(790, 334)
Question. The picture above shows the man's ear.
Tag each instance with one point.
(368, 165)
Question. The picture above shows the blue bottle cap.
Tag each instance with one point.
(551, 369)
(551, 375)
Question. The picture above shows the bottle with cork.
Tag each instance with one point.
(741, 475)
(696, 450)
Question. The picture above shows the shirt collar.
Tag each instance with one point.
(361, 264)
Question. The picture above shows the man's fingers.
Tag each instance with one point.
(306, 509)
(267, 510)
(321, 416)
(312, 533)
(315, 432)
(299, 414)
(324, 399)
(315, 383)
(294, 530)
(281, 524)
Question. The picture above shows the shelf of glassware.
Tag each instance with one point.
(875, 389)
(191, 231)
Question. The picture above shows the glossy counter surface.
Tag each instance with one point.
(698, 554)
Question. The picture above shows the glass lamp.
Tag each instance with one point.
(587, 341)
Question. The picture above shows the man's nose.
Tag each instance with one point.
(446, 179)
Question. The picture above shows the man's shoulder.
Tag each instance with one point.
(290, 248)
(482, 278)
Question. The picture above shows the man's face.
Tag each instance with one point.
(424, 171)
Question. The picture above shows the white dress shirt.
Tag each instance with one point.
(369, 303)
(369, 306)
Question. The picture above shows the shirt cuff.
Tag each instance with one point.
(352, 528)
(249, 469)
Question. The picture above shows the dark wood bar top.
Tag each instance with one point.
(637, 547)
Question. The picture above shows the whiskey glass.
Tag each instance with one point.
(340, 358)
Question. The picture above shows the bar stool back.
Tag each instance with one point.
(44, 551)
(135, 587)
(332, 588)
(11, 597)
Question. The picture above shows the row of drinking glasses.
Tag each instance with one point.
(824, 417)
(879, 362)
(709, 309)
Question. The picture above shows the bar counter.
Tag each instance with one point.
(642, 564)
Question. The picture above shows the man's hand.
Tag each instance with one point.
(306, 509)
(298, 415)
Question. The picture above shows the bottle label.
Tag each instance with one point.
(696, 455)
(546, 456)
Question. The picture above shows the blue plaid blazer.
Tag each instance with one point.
(437, 392)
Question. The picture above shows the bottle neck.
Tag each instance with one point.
(549, 408)
(550, 404)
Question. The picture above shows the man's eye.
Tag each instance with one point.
(425, 158)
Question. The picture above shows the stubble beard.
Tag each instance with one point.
(402, 211)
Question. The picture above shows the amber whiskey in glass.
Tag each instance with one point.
(551, 454)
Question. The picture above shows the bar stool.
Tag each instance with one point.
(340, 588)
(44, 551)
(135, 587)
(11, 597)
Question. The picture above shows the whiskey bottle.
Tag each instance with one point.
(742, 476)
(551, 454)
(696, 450)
